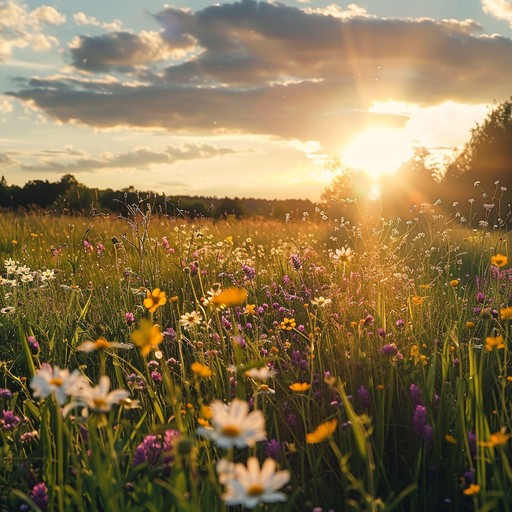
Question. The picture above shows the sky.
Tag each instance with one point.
(242, 98)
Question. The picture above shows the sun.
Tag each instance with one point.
(378, 150)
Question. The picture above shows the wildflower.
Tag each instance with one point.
(101, 344)
(99, 399)
(425, 286)
(470, 325)
(472, 490)
(201, 370)
(250, 309)
(497, 439)
(343, 255)
(233, 425)
(189, 320)
(494, 342)
(8, 310)
(230, 297)
(129, 318)
(299, 386)
(364, 395)
(450, 439)
(9, 420)
(156, 449)
(454, 283)
(252, 485)
(154, 300)
(288, 324)
(499, 260)
(321, 302)
(506, 313)
(263, 373)
(147, 337)
(229, 240)
(389, 349)
(39, 495)
(273, 449)
(33, 344)
(60, 383)
(322, 432)
(417, 300)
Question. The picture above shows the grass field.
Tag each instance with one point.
(156, 364)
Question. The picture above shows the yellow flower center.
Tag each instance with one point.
(255, 490)
(101, 343)
(56, 382)
(231, 431)
(99, 403)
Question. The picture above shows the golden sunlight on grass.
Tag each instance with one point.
(378, 150)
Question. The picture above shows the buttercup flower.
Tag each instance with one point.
(252, 485)
(147, 337)
(201, 370)
(233, 425)
(494, 342)
(299, 386)
(288, 324)
(499, 260)
(230, 297)
(154, 300)
(323, 431)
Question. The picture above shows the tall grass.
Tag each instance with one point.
(404, 341)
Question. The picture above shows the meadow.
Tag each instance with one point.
(299, 364)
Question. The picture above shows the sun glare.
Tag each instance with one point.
(378, 150)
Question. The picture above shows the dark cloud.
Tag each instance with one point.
(140, 159)
(268, 68)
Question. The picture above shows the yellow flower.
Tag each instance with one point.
(250, 309)
(147, 337)
(494, 343)
(288, 324)
(497, 439)
(472, 490)
(450, 439)
(201, 370)
(506, 313)
(154, 300)
(299, 386)
(454, 283)
(323, 431)
(425, 286)
(499, 260)
(416, 300)
(230, 297)
(229, 239)
(470, 325)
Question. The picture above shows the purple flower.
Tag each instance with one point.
(170, 334)
(129, 318)
(9, 420)
(5, 393)
(33, 344)
(415, 394)
(472, 443)
(389, 349)
(39, 495)
(295, 261)
(156, 376)
(157, 449)
(273, 449)
(381, 332)
(419, 420)
(364, 396)
(400, 323)
(480, 297)
(249, 272)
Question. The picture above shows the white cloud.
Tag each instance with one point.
(48, 14)
(21, 28)
(81, 18)
(501, 9)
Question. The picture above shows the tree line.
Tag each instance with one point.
(68, 196)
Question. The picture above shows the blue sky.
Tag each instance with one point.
(242, 98)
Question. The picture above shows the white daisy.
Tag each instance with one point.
(321, 302)
(233, 425)
(99, 399)
(253, 484)
(60, 383)
(189, 320)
